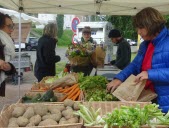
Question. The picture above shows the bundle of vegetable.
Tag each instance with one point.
(89, 115)
(132, 117)
(79, 54)
(94, 88)
(48, 96)
(73, 92)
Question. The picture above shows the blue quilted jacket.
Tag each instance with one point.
(159, 74)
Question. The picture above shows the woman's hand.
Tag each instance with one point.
(4, 65)
(142, 76)
(111, 87)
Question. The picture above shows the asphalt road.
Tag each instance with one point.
(59, 51)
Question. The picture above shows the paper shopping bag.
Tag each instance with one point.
(147, 95)
(129, 90)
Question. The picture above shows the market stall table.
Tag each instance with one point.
(108, 71)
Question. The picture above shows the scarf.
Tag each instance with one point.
(9, 50)
(146, 64)
(90, 40)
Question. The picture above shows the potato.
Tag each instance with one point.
(55, 117)
(12, 119)
(36, 119)
(76, 106)
(68, 107)
(13, 124)
(63, 119)
(63, 122)
(68, 113)
(22, 121)
(55, 111)
(29, 113)
(18, 111)
(59, 107)
(68, 102)
(47, 122)
(40, 109)
(73, 120)
(30, 124)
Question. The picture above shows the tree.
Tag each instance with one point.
(124, 24)
(60, 22)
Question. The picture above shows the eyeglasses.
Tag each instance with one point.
(10, 26)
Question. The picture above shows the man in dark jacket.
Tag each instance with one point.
(123, 54)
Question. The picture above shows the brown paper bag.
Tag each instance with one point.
(79, 61)
(146, 96)
(129, 90)
(67, 80)
(98, 57)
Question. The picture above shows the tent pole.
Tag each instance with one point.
(19, 64)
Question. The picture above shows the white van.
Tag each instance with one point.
(100, 31)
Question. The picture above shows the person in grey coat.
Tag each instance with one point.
(123, 54)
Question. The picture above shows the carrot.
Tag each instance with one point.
(69, 89)
(73, 93)
(63, 98)
(80, 96)
(76, 95)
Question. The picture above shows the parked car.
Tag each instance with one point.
(131, 42)
(32, 43)
(23, 46)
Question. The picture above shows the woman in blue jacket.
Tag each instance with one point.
(152, 60)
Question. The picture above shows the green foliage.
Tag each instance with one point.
(124, 24)
(60, 22)
(39, 31)
(66, 38)
(167, 20)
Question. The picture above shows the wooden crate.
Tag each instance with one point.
(109, 106)
(6, 114)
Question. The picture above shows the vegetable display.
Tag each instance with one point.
(48, 96)
(44, 115)
(73, 92)
(125, 116)
(94, 88)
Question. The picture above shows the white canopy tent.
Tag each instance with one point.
(83, 7)
(24, 17)
(86, 7)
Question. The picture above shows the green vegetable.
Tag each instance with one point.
(47, 96)
(132, 117)
(53, 99)
(24, 98)
(36, 97)
(89, 115)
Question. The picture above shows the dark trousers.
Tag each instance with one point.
(84, 69)
(2, 89)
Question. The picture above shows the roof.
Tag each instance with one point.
(86, 7)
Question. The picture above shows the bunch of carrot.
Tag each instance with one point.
(73, 92)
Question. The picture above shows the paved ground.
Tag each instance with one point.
(12, 91)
